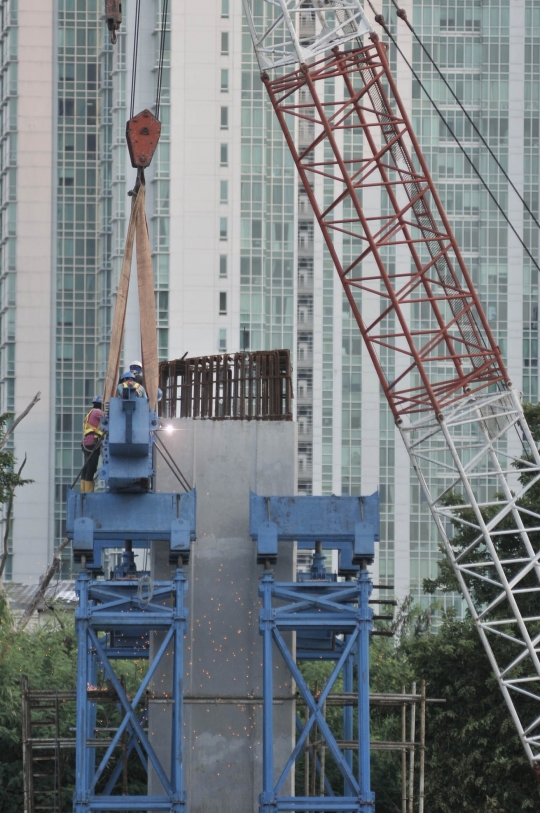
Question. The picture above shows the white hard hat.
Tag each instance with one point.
(136, 364)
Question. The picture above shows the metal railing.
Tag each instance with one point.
(246, 386)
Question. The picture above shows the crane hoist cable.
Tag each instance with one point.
(162, 43)
(402, 14)
(381, 21)
(135, 57)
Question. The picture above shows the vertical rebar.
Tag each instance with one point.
(404, 755)
(412, 752)
(422, 748)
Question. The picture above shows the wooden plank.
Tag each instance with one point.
(147, 307)
(117, 329)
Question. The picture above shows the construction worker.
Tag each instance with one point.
(127, 379)
(91, 442)
(136, 369)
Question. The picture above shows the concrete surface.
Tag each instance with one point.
(223, 649)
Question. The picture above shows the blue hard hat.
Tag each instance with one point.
(126, 375)
(97, 399)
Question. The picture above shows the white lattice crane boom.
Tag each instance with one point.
(443, 375)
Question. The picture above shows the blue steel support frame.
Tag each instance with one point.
(105, 606)
(344, 608)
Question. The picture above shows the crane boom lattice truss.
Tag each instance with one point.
(437, 361)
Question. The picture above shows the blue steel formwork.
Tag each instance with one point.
(115, 619)
(104, 608)
(319, 609)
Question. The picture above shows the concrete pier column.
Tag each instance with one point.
(223, 649)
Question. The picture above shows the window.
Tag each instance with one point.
(223, 266)
(224, 155)
(225, 43)
(223, 340)
(224, 122)
(223, 303)
(222, 228)
(66, 107)
(224, 191)
(224, 8)
(224, 80)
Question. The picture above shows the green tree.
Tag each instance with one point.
(47, 655)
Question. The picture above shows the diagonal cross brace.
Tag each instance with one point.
(316, 710)
(129, 708)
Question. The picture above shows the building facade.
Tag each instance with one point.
(238, 261)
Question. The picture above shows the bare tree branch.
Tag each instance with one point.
(42, 587)
(5, 552)
(18, 419)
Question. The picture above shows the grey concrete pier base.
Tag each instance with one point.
(223, 648)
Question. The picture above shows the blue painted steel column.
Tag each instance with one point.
(179, 621)
(367, 798)
(266, 798)
(348, 686)
(81, 800)
(91, 708)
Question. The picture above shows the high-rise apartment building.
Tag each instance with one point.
(238, 260)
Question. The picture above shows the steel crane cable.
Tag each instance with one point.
(135, 56)
(380, 19)
(402, 14)
(162, 42)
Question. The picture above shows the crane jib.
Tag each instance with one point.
(420, 318)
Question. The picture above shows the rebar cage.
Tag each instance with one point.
(241, 386)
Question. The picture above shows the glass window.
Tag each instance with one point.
(223, 265)
(224, 80)
(223, 303)
(225, 42)
(223, 340)
(222, 228)
(224, 122)
(224, 8)
(224, 191)
(224, 155)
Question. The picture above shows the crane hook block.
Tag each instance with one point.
(142, 136)
(113, 15)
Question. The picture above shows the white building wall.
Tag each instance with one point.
(32, 527)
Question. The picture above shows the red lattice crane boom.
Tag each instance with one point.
(441, 370)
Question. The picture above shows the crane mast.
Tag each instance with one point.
(431, 344)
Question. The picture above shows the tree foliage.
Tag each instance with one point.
(9, 479)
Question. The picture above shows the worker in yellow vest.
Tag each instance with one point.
(127, 379)
(92, 434)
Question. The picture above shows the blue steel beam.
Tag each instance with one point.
(350, 525)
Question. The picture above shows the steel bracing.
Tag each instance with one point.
(288, 31)
(343, 608)
(114, 621)
(429, 340)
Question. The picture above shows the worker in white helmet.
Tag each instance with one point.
(136, 369)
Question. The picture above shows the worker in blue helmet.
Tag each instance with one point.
(127, 380)
(136, 368)
(91, 442)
